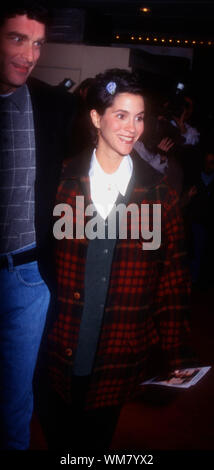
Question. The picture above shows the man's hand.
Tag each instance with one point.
(165, 144)
(192, 192)
(181, 123)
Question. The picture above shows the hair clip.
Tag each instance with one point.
(111, 87)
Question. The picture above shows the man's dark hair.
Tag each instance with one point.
(34, 11)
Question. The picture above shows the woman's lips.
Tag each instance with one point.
(126, 140)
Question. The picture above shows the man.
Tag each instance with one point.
(163, 161)
(33, 119)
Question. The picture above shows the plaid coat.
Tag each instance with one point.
(148, 296)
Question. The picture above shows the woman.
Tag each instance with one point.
(118, 299)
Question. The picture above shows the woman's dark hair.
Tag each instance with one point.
(34, 11)
(106, 86)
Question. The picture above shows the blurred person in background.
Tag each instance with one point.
(198, 205)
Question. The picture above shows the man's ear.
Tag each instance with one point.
(95, 117)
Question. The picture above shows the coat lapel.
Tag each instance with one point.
(144, 177)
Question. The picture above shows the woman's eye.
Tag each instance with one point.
(120, 116)
(140, 118)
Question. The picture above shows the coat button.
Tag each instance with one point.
(77, 295)
(68, 352)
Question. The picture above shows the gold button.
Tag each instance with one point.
(68, 352)
(77, 295)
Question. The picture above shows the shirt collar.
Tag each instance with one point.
(207, 178)
(19, 98)
(120, 177)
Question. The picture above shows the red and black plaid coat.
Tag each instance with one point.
(148, 298)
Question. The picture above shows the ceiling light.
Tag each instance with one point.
(145, 10)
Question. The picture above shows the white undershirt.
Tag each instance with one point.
(106, 187)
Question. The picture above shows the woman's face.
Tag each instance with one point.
(121, 125)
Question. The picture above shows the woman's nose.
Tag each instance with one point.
(131, 126)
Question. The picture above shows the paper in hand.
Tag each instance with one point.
(181, 378)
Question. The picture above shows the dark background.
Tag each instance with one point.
(122, 23)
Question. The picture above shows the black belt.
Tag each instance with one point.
(19, 258)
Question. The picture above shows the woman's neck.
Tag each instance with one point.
(108, 161)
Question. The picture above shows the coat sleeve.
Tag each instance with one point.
(172, 312)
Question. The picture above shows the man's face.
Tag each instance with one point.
(20, 44)
(209, 162)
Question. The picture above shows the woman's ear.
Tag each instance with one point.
(95, 117)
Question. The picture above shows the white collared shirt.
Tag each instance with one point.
(106, 187)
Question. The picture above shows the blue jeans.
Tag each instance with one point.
(24, 300)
